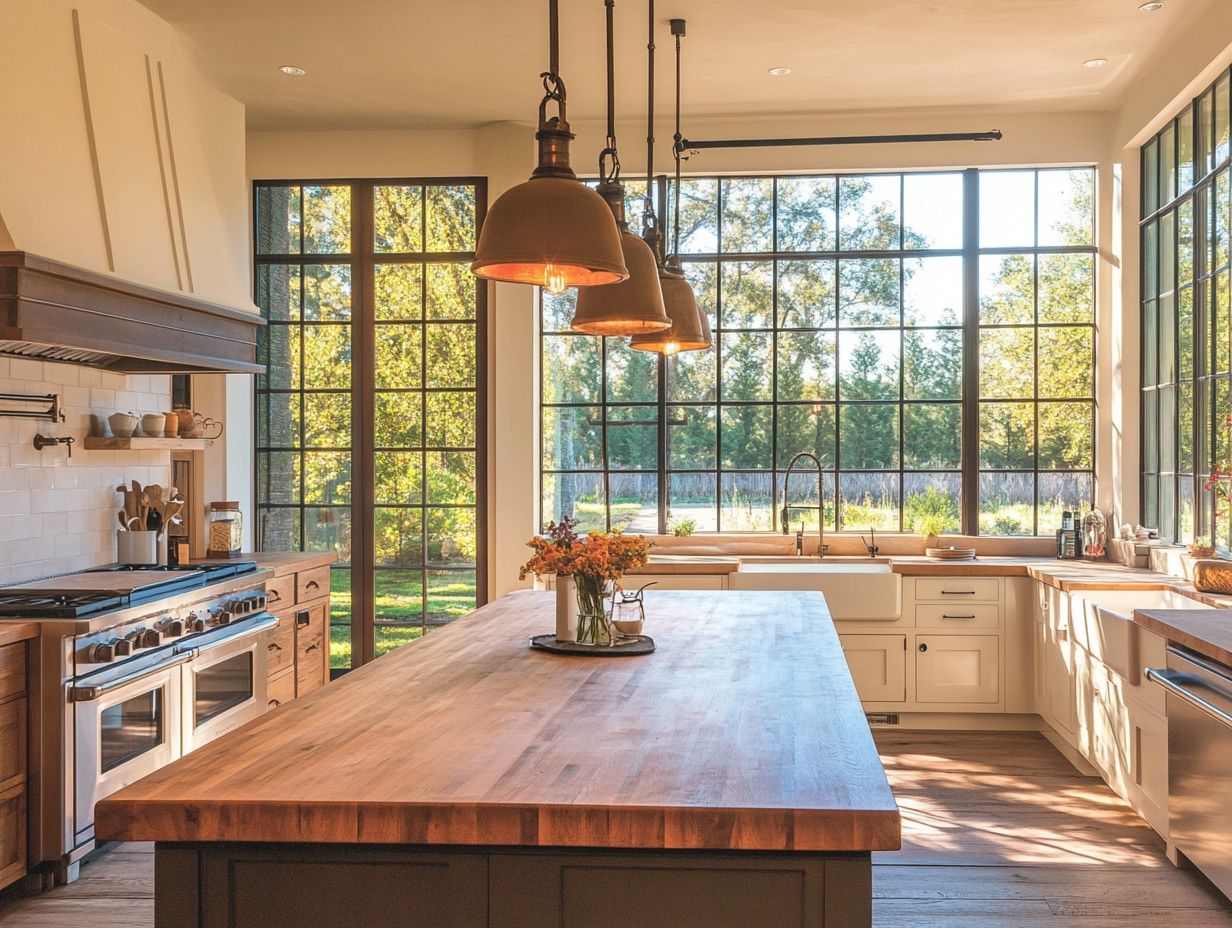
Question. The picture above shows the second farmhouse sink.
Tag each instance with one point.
(856, 590)
(1102, 622)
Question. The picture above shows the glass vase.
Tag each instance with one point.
(594, 627)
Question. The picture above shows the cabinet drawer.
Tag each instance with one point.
(311, 584)
(12, 834)
(310, 653)
(878, 665)
(281, 689)
(12, 743)
(956, 669)
(966, 589)
(280, 592)
(958, 615)
(12, 670)
(280, 652)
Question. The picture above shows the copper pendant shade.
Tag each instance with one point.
(690, 329)
(633, 306)
(552, 230)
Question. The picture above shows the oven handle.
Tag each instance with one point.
(1168, 680)
(249, 627)
(98, 690)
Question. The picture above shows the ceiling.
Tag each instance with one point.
(444, 63)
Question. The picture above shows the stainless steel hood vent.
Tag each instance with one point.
(56, 312)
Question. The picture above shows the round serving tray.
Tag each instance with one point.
(950, 554)
(642, 644)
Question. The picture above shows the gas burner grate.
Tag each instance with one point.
(54, 605)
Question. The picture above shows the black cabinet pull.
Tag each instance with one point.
(923, 648)
(302, 619)
(947, 616)
(958, 592)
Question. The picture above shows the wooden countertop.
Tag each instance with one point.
(12, 632)
(743, 731)
(281, 562)
(1206, 631)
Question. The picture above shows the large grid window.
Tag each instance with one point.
(843, 309)
(1036, 348)
(1186, 285)
(369, 414)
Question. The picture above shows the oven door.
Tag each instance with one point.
(225, 682)
(126, 726)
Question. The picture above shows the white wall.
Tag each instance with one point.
(504, 153)
(59, 514)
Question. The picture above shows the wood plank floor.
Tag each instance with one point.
(999, 831)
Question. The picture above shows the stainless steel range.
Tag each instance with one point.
(135, 668)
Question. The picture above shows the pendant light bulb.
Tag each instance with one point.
(555, 281)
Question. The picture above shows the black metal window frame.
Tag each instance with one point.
(1185, 329)
(969, 401)
(362, 262)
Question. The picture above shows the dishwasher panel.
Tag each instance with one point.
(1200, 761)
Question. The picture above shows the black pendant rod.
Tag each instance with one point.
(553, 37)
(650, 76)
(694, 145)
(677, 144)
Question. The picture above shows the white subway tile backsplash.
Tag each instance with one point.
(59, 514)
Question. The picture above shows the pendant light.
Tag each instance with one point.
(551, 230)
(633, 306)
(690, 330)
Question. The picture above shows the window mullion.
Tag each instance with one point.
(971, 354)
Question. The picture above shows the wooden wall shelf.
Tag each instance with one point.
(94, 443)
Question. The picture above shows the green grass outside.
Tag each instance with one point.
(399, 608)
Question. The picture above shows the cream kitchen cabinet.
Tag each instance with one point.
(1055, 683)
(878, 664)
(957, 669)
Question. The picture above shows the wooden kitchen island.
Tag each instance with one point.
(729, 780)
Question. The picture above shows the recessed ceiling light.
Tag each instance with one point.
(1153, 6)
(779, 72)
(292, 70)
(1095, 63)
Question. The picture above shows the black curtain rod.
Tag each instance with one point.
(693, 145)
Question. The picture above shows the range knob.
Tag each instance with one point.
(172, 628)
(122, 647)
(194, 623)
(146, 638)
(101, 652)
(220, 616)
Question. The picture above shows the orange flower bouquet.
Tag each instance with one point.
(592, 560)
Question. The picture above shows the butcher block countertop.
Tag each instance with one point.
(1206, 631)
(282, 562)
(13, 632)
(743, 731)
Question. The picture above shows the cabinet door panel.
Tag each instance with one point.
(12, 834)
(957, 669)
(878, 664)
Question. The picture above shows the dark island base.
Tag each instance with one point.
(335, 886)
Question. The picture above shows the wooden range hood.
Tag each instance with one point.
(56, 312)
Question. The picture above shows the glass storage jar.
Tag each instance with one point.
(225, 530)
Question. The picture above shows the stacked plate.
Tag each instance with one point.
(951, 553)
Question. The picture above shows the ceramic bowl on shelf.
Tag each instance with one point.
(122, 424)
(153, 424)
